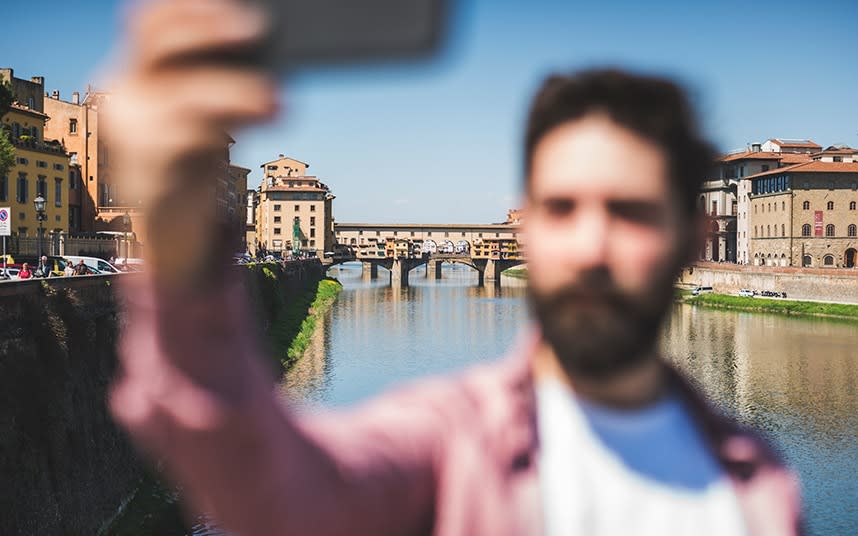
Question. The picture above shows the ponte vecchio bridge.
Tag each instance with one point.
(487, 248)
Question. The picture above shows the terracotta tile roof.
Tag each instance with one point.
(794, 158)
(751, 155)
(847, 151)
(796, 143)
(814, 166)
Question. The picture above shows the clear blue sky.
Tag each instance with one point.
(441, 143)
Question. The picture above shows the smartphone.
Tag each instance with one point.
(330, 32)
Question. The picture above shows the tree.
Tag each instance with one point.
(7, 151)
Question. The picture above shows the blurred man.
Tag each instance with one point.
(582, 429)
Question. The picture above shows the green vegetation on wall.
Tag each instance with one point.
(776, 305)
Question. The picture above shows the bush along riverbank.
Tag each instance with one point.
(325, 296)
(774, 305)
(518, 273)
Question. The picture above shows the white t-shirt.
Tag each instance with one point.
(644, 472)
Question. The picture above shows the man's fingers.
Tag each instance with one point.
(172, 32)
(217, 95)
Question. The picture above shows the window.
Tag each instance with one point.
(807, 185)
(805, 229)
(838, 159)
(277, 219)
(830, 205)
(22, 189)
(828, 260)
(277, 208)
(313, 222)
(23, 161)
(297, 208)
(4, 188)
(851, 230)
(360, 233)
(41, 164)
(312, 243)
(714, 208)
(806, 205)
(783, 230)
(829, 230)
(58, 192)
(768, 231)
(72, 126)
(852, 205)
(42, 187)
(755, 231)
(59, 167)
(312, 208)
(313, 233)
(783, 205)
(277, 230)
(764, 168)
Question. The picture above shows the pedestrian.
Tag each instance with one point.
(583, 429)
(43, 269)
(81, 268)
(25, 272)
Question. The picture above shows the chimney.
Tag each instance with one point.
(280, 156)
(40, 80)
(756, 147)
(75, 98)
(55, 94)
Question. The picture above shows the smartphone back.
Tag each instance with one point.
(310, 32)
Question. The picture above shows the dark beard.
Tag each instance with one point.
(596, 330)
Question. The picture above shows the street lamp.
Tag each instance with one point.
(126, 221)
(39, 202)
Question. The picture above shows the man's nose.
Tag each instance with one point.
(587, 240)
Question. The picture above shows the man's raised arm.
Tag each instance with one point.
(192, 391)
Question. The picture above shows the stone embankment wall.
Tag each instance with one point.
(840, 285)
(66, 467)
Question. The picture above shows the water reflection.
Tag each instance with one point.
(796, 379)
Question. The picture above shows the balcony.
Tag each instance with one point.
(31, 144)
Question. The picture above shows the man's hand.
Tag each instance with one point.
(168, 119)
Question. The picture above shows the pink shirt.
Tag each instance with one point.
(455, 456)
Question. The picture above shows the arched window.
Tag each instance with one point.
(851, 230)
(852, 205)
(783, 230)
(806, 205)
(783, 205)
(807, 260)
(768, 231)
(805, 229)
(828, 260)
(755, 231)
(831, 205)
(829, 230)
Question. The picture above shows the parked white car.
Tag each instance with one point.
(101, 266)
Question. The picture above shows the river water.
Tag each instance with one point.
(795, 379)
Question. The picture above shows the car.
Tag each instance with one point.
(99, 266)
(748, 293)
(700, 290)
(9, 274)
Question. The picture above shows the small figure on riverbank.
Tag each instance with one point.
(81, 268)
(25, 272)
(583, 429)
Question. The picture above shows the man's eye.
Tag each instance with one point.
(645, 213)
(558, 207)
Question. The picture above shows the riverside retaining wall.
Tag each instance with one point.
(840, 285)
(66, 468)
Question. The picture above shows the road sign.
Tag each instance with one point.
(5, 222)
